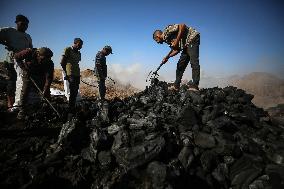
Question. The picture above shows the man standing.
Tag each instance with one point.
(186, 40)
(101, 69)
(70, 65)
(15, 40)
(37, 66)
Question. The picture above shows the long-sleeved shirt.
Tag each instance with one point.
(100, 65)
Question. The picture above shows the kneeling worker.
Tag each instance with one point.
(37, 66)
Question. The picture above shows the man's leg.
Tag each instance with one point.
(24, 96)
(19, 85)
(74, 86)
(181, 66)
(11, 86)
(102, 88)
(193, 52)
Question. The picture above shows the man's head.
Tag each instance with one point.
(22, 23)
(78, 43)
(158, 36)
(44, 54)
(107, 50)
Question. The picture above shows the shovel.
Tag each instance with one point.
(155, 73)
(42, 95)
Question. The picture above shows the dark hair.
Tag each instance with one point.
(45, 51)
(76, 40)
(22, 18)
(156, 31)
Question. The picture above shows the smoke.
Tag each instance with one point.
(133, 74)
(136, 74)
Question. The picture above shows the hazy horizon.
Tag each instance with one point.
(237, 37)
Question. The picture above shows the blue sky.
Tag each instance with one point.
(237, 36)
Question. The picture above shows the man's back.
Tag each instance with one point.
(14, 39)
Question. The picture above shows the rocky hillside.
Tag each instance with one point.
(268, 90)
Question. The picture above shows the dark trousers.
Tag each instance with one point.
(74, 83)
(29, 86)
(102, 88)
(190, 54)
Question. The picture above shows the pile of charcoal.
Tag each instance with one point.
(212, 138)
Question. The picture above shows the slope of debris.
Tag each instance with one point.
(89, 85)
(212, 138)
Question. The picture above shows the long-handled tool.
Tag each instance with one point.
(42, 95)
(111, 80)
(154, 74)
(89, 84)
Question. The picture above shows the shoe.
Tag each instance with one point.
(10, 110)
(13, 110)
(192, 86)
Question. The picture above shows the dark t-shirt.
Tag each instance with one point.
(101, 66)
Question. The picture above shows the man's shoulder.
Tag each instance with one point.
(67, 50)
(170, 26)
(28, 35)
(8, 29)
(99, 54)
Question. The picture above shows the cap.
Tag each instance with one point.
(21, 18)
(108, 48)
(44, 51)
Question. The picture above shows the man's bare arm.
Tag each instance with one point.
(170, 54)
(181, 30)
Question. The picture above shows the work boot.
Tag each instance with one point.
(173, 88)
(192, 86)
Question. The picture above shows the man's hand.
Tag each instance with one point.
(67, 77)
(165, 60)
(174, 44)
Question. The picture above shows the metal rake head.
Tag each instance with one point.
(152, 75)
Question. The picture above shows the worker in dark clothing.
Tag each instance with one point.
(38, 66)
(70, 65)
(101, 69)
(186, 40)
